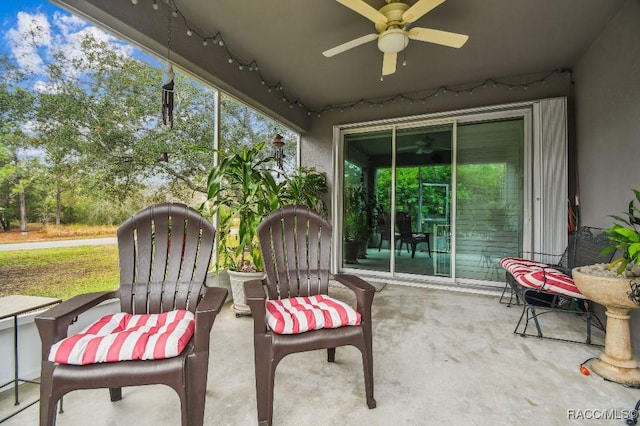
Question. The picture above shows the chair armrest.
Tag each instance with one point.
(363, 291)
(53, 324)
(206, 312)
(256, 298)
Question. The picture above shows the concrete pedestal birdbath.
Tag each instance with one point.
(616, 363)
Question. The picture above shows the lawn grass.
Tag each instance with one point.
(59, 272)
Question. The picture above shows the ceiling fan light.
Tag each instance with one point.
(393, 40)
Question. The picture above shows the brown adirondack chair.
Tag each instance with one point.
(164, 253)
(296, 245)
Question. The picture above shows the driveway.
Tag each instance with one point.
(60, 243)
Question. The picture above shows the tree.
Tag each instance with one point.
(16, 166)
(99, 136)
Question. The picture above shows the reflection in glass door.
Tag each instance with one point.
(410, 207)
(367, 231)
(397, 208)
(422, 199)
(489, 197)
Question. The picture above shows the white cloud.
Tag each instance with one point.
(42, 86)
(36, 38)
(32, 34)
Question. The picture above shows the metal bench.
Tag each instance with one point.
(549, 288)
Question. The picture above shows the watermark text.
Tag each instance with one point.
(601, 414)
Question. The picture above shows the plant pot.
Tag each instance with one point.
(220, 279)
(350, 251)
(616, 363)
(237, 280)
(362, 249)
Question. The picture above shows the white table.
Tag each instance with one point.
(12, 306)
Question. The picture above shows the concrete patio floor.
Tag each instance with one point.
(440, 357)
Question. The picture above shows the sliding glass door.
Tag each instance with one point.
(439, 199)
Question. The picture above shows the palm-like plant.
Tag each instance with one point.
(625, 237)
(243, 183)
(306, 187)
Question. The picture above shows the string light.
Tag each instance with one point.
(286, 98)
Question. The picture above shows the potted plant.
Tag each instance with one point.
(625, 237)
(242, 189)
(357, 222)
(306, 187)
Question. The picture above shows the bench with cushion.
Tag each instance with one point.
(542, 287)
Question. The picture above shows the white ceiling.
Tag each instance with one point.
(286, 38)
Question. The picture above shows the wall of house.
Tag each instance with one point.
(607, 108)
(316, 145)
(607, 111)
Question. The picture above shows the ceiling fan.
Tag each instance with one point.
(393, 35)
(427, 145)
(424, 146)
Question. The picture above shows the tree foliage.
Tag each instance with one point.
(84, 141)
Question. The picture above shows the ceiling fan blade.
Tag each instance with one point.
(365, 10)
(420, 8)
(444, 38)
(389, 61)
(349, 45)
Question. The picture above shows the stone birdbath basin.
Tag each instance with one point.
(616, 363)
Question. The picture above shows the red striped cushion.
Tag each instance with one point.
(299, 314)
(516, 265)
(125, 337)
(550, 280)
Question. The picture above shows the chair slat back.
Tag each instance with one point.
(403, 222)
(296, 246)
(164, 252)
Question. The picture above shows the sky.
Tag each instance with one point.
(31, 45)
(34, 30)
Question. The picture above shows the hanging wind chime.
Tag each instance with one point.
(278, 149)
(167, 88)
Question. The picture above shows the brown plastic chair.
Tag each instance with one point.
(296, 245)
(164, 252)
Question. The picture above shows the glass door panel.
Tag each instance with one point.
(423, 200)
(367, 231)
(489, 192)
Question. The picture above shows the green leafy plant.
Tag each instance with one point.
(306, 187)
(242, 190)
(243, 185)
(625, 237)
(358, 213)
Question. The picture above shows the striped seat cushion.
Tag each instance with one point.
(540, 276)
(550, 280)
(517, 266)
(299, 314)
(126, 337)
